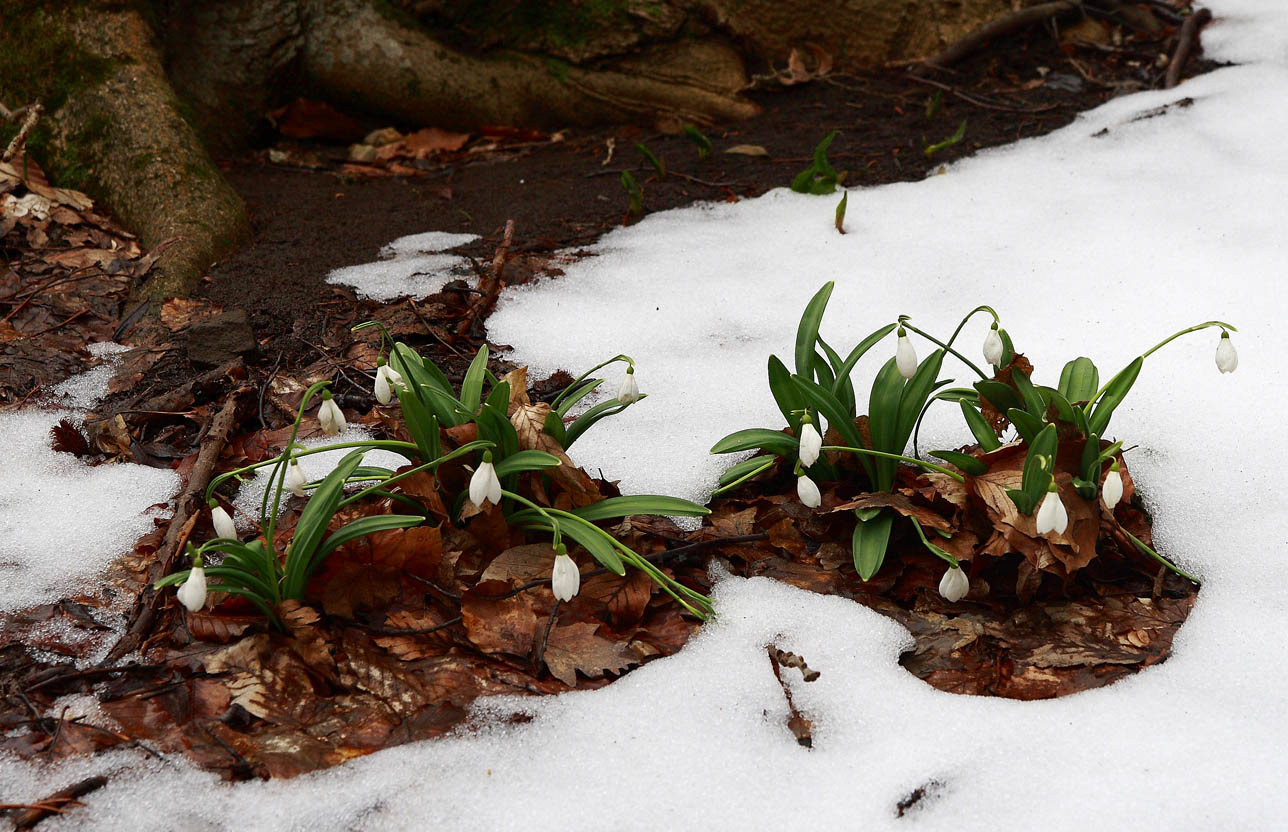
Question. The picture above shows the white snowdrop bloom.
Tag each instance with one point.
(1227, 360)
(1112, 491)
(993, 347)
(954, 585)
(808, 492)
(192, 593)
(810, 444)
(905, 357)
(223, 523)
(629, 391)
(484, 485)
(330, 416)
(295, 479)
(1051, 514)
(387, 378)
(565, 577)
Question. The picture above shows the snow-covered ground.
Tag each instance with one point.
(1086, 244)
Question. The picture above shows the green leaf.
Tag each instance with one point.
(423, 374)
(1090, 462)
(773, 441)
(633, 192)
(1023, 503)
(857, 353)
(651, 157)
(526, 461)
(956, 137)
(614, 507)
(1001, 396)
(1032, 399)
(883, 421)
(820, 177)
(1113, 396)
(914, 396)
(868, 543)
(555, 427)
(745, 470)
(1039, 465)
(313, 522)
(1086, 489)
(472, 385)
(1026, 424)
(1079, 380)
(571, 398)
(360, 528)
(964, 462)
(1064, 411)
(832, 410)
(697, 137)
(807, 330)
(979, 427)
(840, 212)
(1008, 349)
(422, 426)
(587, 420)
(785, 394)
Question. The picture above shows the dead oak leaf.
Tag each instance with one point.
(577, 648)
(625, 596)
(901, 504)
(529, 423)
(499, 624)
(521, 563)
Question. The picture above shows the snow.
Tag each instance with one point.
(413, 265)
(1085, 244)
(63, 522)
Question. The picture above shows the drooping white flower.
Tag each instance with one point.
(1112, 491)
(565, 577)
(1227, 360)
(993, 347)
(295, 479)
(808, 492)
(954, 585)
(330, 416)
(387, 378)
(484, 485)
(192, 592)
(629, 391)
(905, 357)
(810, 444)
(1051, 514)
(224, 525)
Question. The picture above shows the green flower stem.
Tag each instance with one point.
(970, 315)
(571, 387)
(384, 444)
(930, 466)
(1169, 339)
(427, 466)
(554, 524)
(744, 478)
(279, 472)
(1156, 556)
(932, 339)
(935, 550)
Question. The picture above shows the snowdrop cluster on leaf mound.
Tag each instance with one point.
(63, 522)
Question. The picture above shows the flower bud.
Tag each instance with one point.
(192, 592)
(629, 392)
(330, 416)
(565, 577)
(954, 585)
(387, 378)
(295, 479)
(485, 487)
(1112, 491)
(810, 444)
(808, 492)
(1051, 514)
(1227, 360)
(223, 523)
(993, 347)
(905, 357)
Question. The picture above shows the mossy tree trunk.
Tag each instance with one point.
(135, 97)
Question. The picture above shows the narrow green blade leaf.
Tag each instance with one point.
(472, 384)
(313, 522)
(785, 394)
(965, 462)
(869, 542)
(360, 528)
(1001, 396)
(773, 441)
(614, 507)
(979, 427)
(1114, 394)
(807, 330)
(1026, 424)
(1032, 398)
(526, 461)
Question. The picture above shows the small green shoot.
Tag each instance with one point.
(840, 212)
(820, 177)
(651, 157)
(633, 191)
(956, 137)
(698, 138)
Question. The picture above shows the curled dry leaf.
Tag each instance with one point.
(529, 422)
(497, 624)
(577, 648)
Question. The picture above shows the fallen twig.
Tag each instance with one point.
(1185, 41)
(490, 285)
(32, 115)
(996, 28)
(41, 809)
(978, 102)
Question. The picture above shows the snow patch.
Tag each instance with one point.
(409, 266)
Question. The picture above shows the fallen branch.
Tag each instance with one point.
(978, 102)
(32, 115)
(996, 28)
(42, 809)
(490, 285)
(1185, 41)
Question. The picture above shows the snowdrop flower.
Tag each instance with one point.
(810, 444)
(1051, 514)
(954, 585)
(1112, 491)
(993, 347)
(387, 378)
(484, 485)
(629, 391)
(330, 416)
(565, 577)
(1227, 360)
(295, 479)
(192, 593)
(808, 492)
(905, 357)
(224, 525)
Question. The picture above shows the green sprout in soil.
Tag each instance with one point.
(1025, 488)
(956, 137)
(632, 188)
(820, 177)
(698, 138)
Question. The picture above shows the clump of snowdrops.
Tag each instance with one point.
(1074, 416)
(515, 442)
